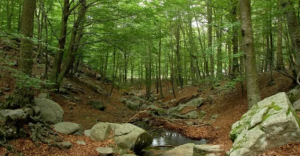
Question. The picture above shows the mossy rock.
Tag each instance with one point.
(97, 105)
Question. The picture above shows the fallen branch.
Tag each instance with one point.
(136, 115)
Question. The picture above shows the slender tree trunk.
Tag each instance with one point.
(113, 72)
(219, 49)
(253, 93)
(209, 22)
(159, 65)
(235, 34)
(280, 64)
(178, 56)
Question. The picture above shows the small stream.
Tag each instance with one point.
(165, 139)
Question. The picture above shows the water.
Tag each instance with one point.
(166, 138)
(170, 138)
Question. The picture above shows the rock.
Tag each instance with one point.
(177, 109)
(157, 111)
(202, 150)
(44, 95)
(105, 151)
(98, 77)
(123, 100)
(190, 115)
(76, 98)
(128, 155)
(87, 132)
(97, 105)
(67, 127)
(215, 116)
(293, 95)
(126, 136)
(80, 142)
(6, 89)
(183, 150)
(131, 137)
(296, 106)
(51, 112)
(100, 131)
(131, 105)
(270, 123)
(195, 102)
(14, 115)
(202, 113)
(63, 91)
(65, 145)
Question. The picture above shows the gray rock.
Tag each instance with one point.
(87, 132)
(126, 136)
(97, 105)
(44, 95)
(131, 105)
(66, 127)
(36, 110)
(100, 131)
(51, 112)
(157, 111)
(128, 155)
(195, 102)
(63, 91)
(76, 98)
(190, 115)
(296, 106)
(202, 150)
(18, 114)
(270, 123)
(215, 116)
(80, 142)
(183, 150)
(105, 151)
(293, 95)
(65, 145)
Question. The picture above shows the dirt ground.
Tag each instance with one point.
(229, 104)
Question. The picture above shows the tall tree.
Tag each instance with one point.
(210, 44)
(24, 95)
(253, 93)
(293, 27)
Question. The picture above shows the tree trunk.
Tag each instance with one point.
(253, 94)
(61, 42)
(178, 56)
(293, 27)
(23, 93)
(209, 22)
(235, 46)
(76, 35)
(280, 64)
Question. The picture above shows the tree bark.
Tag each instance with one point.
(25, 94)
(253, 93)
(293, 27)
(76, 35)
(280, 64)
(209, 22)
(235, 46)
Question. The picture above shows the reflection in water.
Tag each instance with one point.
(166, 137)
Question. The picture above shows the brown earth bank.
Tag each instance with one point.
(229, 104)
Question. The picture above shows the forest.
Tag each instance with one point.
(149, 77)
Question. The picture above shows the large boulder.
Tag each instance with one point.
(67, 127)
(203, 150)
(270, 123)
(126, 136)
(51, 112)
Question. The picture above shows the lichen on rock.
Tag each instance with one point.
(271, 122)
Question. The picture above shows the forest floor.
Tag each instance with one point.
(230, 105)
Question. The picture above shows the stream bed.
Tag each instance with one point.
(164, 140)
